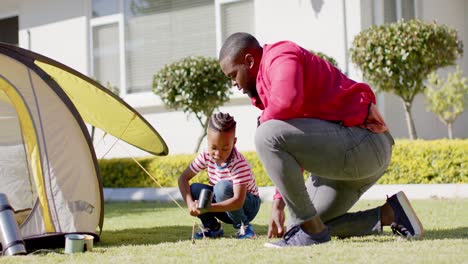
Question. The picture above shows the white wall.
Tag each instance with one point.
(60, 29)
(316, 25)
(313, 24)
(8, 8)
(57, 29)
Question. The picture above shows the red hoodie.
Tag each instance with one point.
(293, 83)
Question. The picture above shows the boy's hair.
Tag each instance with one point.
(222, 122)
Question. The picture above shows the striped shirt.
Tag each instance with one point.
(238, 170)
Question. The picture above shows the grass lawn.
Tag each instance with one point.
(159, 233)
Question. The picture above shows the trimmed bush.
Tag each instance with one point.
(436, 161)
(195, 85)
(419, 161)
(397, 57)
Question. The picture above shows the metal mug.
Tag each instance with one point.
(88, 242)
(74, 243)
(204, 201)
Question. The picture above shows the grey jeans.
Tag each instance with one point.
(344, 162)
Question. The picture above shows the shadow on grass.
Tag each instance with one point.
(438, 234)
(171, 234)
(451, 233)
(157, 235)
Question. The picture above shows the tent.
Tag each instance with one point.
(48, 167)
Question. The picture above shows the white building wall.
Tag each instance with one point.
(60, 29)
(275, 20)
(8, 8)
(57, 29)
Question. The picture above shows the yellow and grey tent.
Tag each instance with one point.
(48, 167)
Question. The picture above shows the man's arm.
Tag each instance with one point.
(285, 93)
(277, 218)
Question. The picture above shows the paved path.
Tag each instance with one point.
(376, 192)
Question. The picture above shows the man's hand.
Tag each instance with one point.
(276, 227)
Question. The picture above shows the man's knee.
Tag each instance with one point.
(267, 134)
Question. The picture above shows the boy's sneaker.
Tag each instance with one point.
(246, 231)
(405, 222)
(296, 237)
(209, 233)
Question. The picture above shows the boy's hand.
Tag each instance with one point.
(194, 211)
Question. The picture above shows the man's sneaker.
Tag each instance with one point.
(405, 222)
(296, 237)
(209, 233)
(246, 231)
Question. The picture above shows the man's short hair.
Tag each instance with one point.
(237, 44)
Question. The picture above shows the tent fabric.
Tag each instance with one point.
(48, 167)
(89, 97)
(115, 118)
(63, 166)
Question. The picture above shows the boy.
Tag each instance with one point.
(236, 199)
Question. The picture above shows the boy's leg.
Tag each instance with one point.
(208, 219)
(323, 148)
(223, 190)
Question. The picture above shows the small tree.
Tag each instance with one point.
(447, 99)
(325, 57)
(194, 84)
(397, 57)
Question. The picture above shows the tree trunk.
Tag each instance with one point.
(449, 127)
(200, 139)
(409, 121)
(202, 136)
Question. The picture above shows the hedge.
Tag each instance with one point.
(419, 161)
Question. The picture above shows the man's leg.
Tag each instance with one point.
(333, 199)
(323, 148)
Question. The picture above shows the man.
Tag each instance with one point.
(316, 119)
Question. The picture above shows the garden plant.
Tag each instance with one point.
(397, 57)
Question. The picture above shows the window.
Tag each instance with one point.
(150, 34)
(106, 59)
(9, 30)
(388, 11)
(234, 16)
(406, 9)
(159, 32)
(237, 17)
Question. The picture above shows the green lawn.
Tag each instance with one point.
(159, 233)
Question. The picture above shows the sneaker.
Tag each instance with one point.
(296, 237)
(209, 233)
(405, 222)
(246, 231)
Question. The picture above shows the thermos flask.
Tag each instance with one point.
(10, 237)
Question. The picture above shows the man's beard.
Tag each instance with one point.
(252, 93)
(252, 90)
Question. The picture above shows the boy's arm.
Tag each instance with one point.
(184, 186)
(234, 203)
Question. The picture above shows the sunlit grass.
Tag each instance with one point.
(159, 233)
